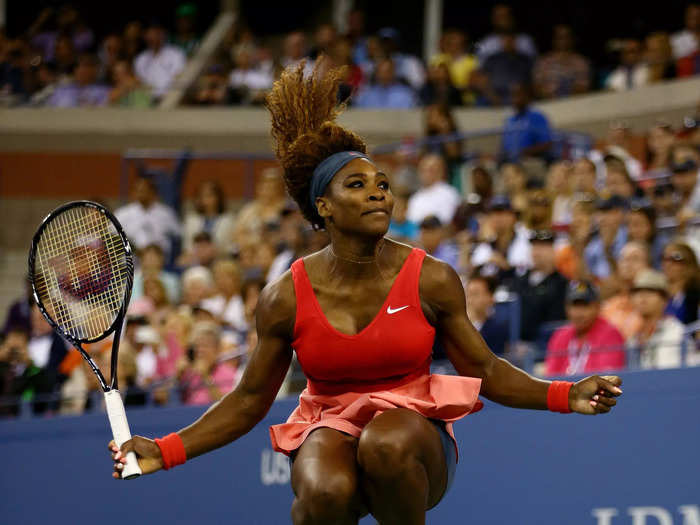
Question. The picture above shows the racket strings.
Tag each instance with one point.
(84, 271)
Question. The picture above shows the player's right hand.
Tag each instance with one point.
(147, 453)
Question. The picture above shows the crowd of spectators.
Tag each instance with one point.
(599, 254)
(482, 72)
(59, 61)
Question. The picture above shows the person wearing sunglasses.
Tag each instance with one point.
(680, 266)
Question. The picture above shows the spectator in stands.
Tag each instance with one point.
(210, 216)
(503, 23)
(538, 213)
(65, 57)
(542, 289)
(662, 198)
(618, 309)
(203, 252)
(47, 349)
(111, 52)
(689, 65)
(514, 179)
(434, 240)
(687, 41)
(659, 57)
(479, 291)
(212, 88)
(270, 200)
(294, 49)
(660, 140)
(325, 37)
(185, 36)
(205, 379)
(460, 63)
(20, 378)
(685, 169)
(439, 88)
(128, 92)
(293, 246)
(227, 304)
(13, 85)
(660, 339)
(68, 23)
(440, 122)
(570, 254)
(151, 262)
(357, 37)
(559, 188)
(386, 92)
(641, 227)
(133, 40)
(401, 228)
(248, 81)
(83, 90)
(19, 312)
(588, 343)
(604, 248)
(408, 68)
(584, 177)
(160, 63)
(341, 55)
(504, 249)
(632, 72)
(197, 285)
(502, 71)
(561, 72)
(680, 266)
(527, 132)
(436, 196)
(146, 220)
(619, 182)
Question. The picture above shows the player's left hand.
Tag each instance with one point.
(595, 395)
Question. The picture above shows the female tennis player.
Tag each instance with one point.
(373, 429)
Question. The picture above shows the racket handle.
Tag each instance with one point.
(121, 432)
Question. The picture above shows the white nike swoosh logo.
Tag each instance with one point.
(391, 310)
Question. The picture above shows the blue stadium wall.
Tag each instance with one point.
(639, 465)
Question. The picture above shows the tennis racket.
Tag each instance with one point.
(81, 269)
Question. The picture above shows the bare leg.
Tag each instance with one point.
(402, 465)
(325, 480)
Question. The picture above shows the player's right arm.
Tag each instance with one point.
(242, 408)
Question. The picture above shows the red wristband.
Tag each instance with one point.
(172, 450)
(558, 396)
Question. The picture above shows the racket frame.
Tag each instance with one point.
(118, 322)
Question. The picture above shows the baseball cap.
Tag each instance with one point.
(581, 292)
(651, 280)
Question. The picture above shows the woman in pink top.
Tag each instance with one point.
(205, 379)
(372, 432)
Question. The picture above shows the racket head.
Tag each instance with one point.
(81, 270)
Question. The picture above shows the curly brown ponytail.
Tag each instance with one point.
(304, 109)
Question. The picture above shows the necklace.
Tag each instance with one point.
(358, 261)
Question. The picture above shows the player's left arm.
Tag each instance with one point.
(442, 293)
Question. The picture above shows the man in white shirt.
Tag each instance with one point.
(503, 22)
(435, 197)
(661, 340)
(687, 41)
(147, 221)
(158, 65)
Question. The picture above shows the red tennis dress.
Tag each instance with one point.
(353, 378)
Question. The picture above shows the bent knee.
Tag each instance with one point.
(387, 451)
(327, 498)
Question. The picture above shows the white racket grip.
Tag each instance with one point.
(121, 432)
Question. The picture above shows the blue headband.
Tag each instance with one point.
(324, 172)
